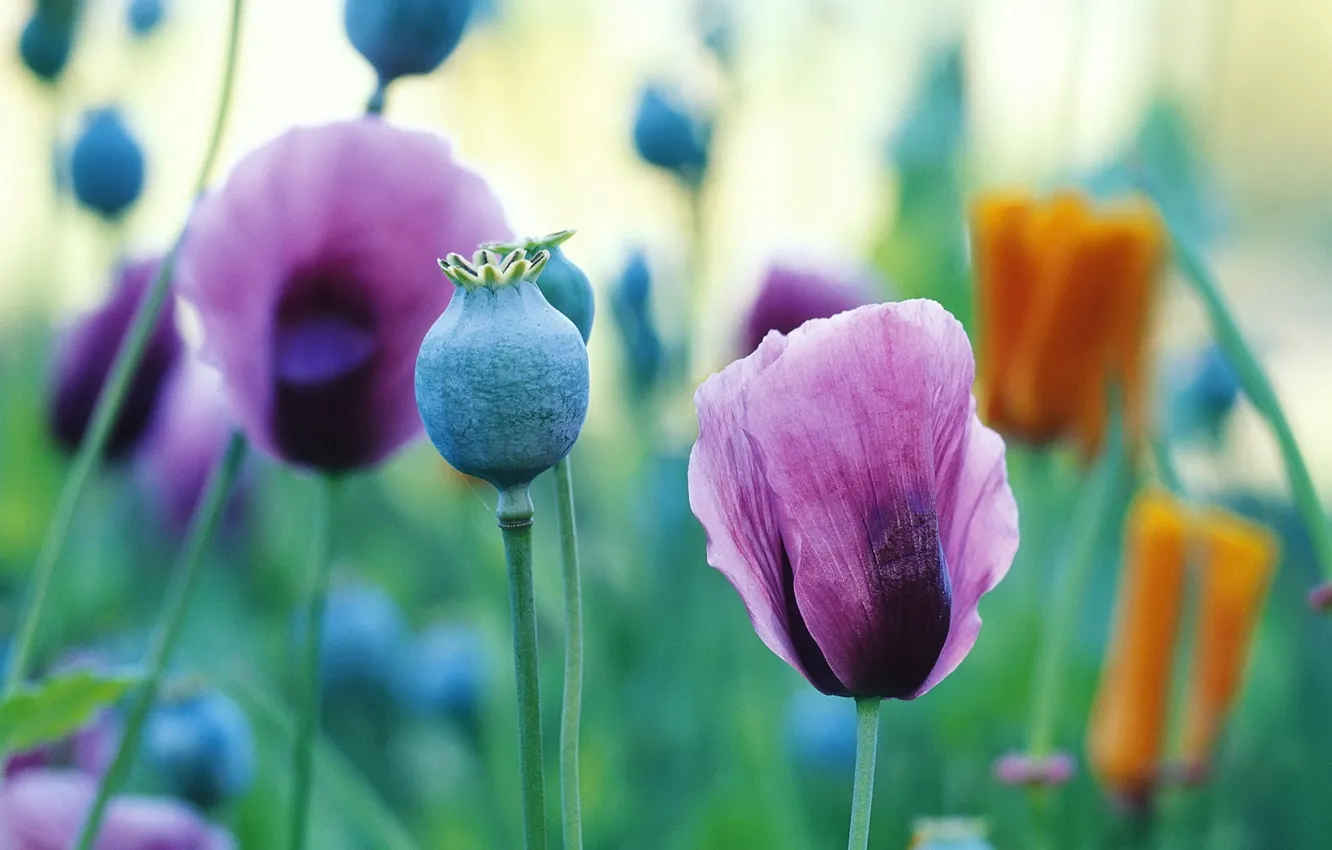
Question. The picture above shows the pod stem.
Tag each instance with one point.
(570, 797)
(172, 616)
(514, 513)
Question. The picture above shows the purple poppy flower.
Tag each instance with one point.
(854, 500)
(89, 750)
(789, 297)
(186, 441)
(314, 273)
(84, 361)
(44, 810)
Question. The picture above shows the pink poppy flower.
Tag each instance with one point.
(854, 500)
(313, 270)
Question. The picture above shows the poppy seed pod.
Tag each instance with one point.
(502, 377)
(631, 308)
(667, 136)
(144, 16)
(202, 747)
(565, 285)
(402, 37)
(45, 45)
(106, 166)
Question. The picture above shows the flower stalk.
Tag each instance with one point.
(109, 402)
(570, 797)
(170, 620)
(302, 761)
(867, 750)
(514, 513)
(1259, 389)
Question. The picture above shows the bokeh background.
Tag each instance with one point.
(694, 735)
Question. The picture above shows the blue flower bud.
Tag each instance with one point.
(632, 309)
(363, 639)
(667, 136)
(445, 673)
(821, 732)
(201, 747)
(564, 284)
(106, 166)
(144, 16)
(949, 833)
(1205, 396)
(45, 44)
(502, 377)
(402, 37)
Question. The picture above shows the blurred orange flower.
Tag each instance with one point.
(1239, 558)
(1128, 721)
(1064, 295)
(1234, 560)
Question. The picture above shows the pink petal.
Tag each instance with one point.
(857, 424)
(728, 494)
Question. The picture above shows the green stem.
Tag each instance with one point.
(1259, 390)
(302, 760)
(174, 607)
(1093, 511)
(570, 798)
(867, 750)
(1166, 470)
(108, 406)
(515, 521)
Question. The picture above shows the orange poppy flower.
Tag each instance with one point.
(1128, 723)
(1238, 559)
(1064, 293)
(1235, 559)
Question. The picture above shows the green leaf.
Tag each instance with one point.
(53, 708)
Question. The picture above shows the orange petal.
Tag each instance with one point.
(1238, 559)
(1058, 367)
(1005, 275)
(1128, 719)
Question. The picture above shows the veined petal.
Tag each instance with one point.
(729, 495)
(884, 414)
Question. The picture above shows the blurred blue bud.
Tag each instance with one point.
(45, 44)
(821, 731)
(564, 285)
(631, 308)
(145, 15)
(403, 37)
(935, 125)
(949, 833)
(1205, 395)
(363, 639)
(668, 136)
(444, 674)
(106, 166)
(201, 747)
(716, 27)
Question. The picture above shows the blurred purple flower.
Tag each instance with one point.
(44, 810)
(314, 273)
(88, 750)
(84, 360)
(854, 500)
(186, 441)
(1022, 769)
(789, 297)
